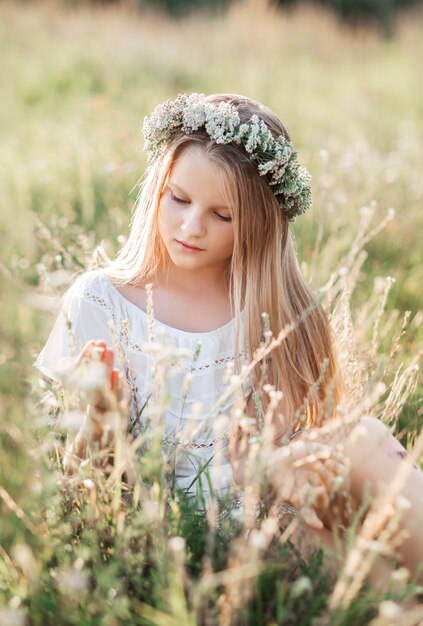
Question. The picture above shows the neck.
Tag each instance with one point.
(196, 283)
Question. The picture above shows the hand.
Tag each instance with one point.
(309, 475)
(96, 429)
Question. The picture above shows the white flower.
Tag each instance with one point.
(301, 586)
(193, 117)
(258, 540)
(275, 156)
(72, 581)
(25, 559)
(402, 573)
(176, 544)
(264, 168)
(253, 139)
(241, 133)
(72, 420)
(165, 353)
(95, 376)
(389, 609)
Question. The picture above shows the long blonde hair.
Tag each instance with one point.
(264, 273)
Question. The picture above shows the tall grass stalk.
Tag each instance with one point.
(125, 547)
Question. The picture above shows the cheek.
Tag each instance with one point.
(227, 241)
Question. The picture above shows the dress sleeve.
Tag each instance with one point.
(84, 314)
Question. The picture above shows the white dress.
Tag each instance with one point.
(195, 419)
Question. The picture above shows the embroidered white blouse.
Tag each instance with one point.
(194, 413)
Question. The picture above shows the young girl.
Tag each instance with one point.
(210, 234)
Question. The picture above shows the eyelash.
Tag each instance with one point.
(180, 201)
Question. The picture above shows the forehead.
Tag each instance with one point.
(197, 174)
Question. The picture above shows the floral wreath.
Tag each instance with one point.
(275, 156)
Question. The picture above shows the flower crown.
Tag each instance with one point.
(275, 155)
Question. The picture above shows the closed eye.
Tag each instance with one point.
(172, 195)
(222, 217)
(180, 201)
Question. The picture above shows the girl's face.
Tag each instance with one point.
(194, 221)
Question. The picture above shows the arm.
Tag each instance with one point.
(80, 318)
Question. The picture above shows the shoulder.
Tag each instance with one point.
(90, 280)
(91, 285)
(90, 290)
(94, 295)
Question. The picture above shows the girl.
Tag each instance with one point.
(210, 234)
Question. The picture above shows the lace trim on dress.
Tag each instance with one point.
(189, 444)
(97, 299)
(238, 503)
(192, 368)
(202, 366)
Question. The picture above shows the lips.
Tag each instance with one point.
(188, 246)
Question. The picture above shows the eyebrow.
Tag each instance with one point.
(222, 206)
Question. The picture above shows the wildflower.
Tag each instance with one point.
(112, 593)
(402, 573)
(71, 420)
(24, 557)
(301, 586)
(258, 540)
(177, 545)
(72, 581)
(275, 156)
(389, 609)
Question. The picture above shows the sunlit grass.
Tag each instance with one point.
(75, 86)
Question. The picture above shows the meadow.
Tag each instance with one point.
(75, 85)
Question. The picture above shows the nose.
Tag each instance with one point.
(193, 223)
